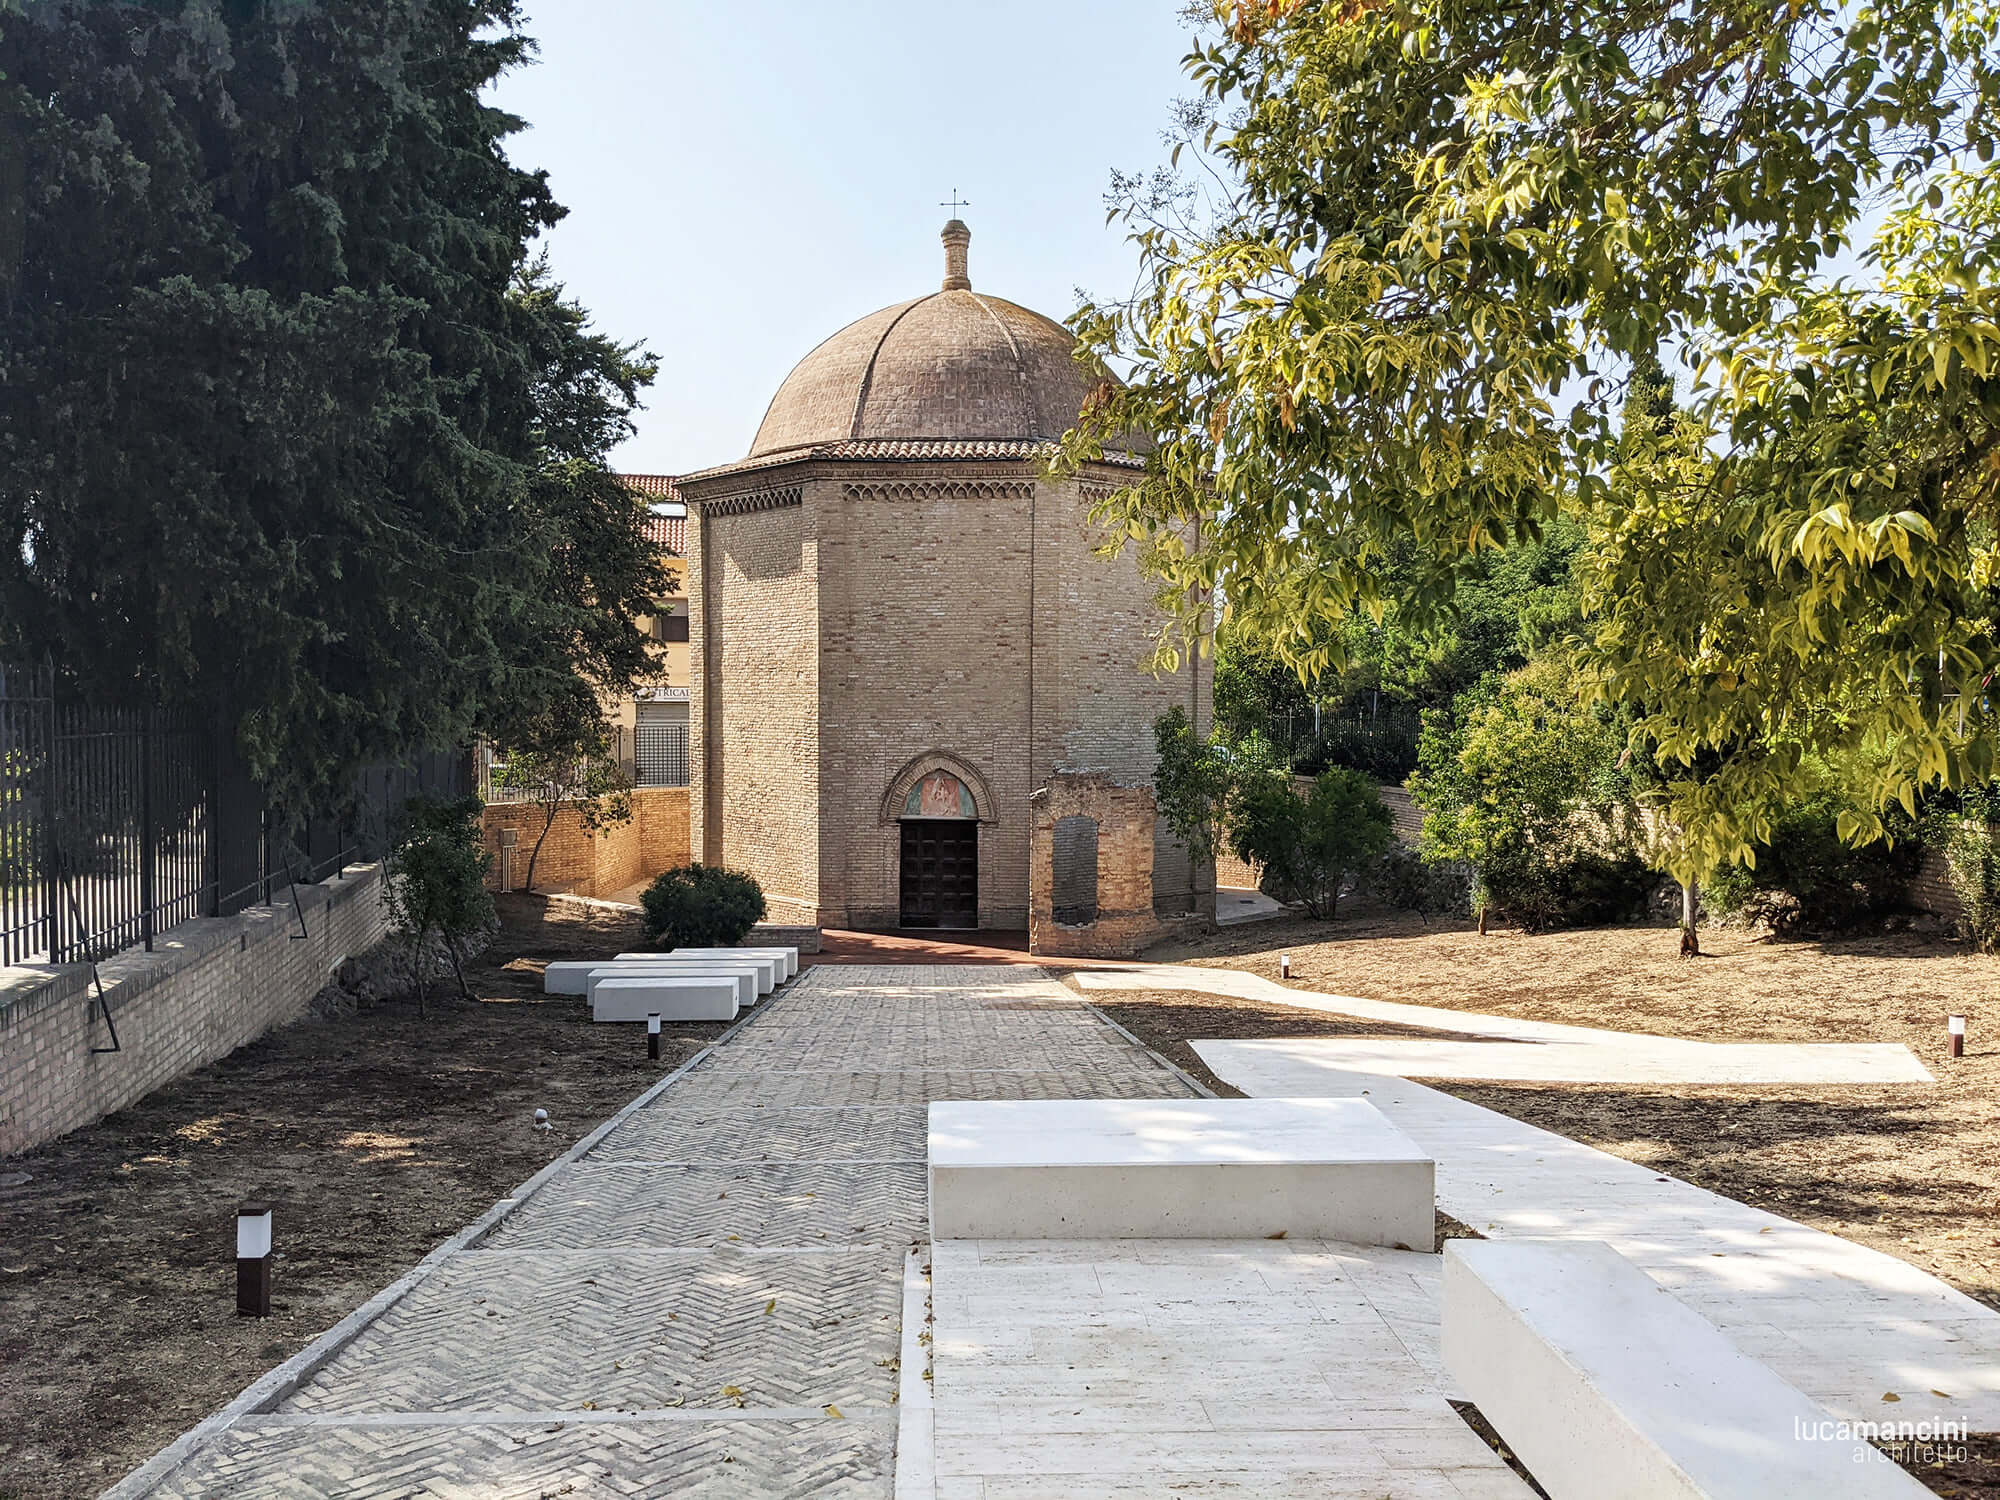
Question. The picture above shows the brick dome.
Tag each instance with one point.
(956, 366)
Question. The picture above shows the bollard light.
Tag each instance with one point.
(253, 1260)
(1284, 966)
(653, 1035)
(1954, 1028)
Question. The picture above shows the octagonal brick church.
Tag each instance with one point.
(899, 629)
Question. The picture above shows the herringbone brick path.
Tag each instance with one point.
(709, 1302)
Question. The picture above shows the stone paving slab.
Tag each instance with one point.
(1219, 1367)
(784, 1090)
(524, 1333)
(612, 1204)
(739, 1238)
(893, 1132)
(827, 1459)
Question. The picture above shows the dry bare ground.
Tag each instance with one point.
(1913, 1170)
(374, 1136)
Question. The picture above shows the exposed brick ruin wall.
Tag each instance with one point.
(1126, 818)
(211, 985)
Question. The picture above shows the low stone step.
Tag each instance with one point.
(1178, 1169)
(1604, 1383)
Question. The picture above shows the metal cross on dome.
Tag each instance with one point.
(955, 203)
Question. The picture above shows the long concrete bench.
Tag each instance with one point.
(1178, 1169)
(770, 970)
(672, 997)
(1606, 1385)
(788, 958)
(572, 976)
(743, 976)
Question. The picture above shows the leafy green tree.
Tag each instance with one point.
(1441, 235)
(1528, 785)
(291, 423)
(435, 887)
(1192, 782)
(568, 767)
(1308, 845)
(701, 906)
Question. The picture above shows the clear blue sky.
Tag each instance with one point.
(744, 177)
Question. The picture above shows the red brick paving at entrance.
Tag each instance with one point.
(905, 947)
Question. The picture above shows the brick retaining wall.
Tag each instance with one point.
(582, 864)
(210, 986)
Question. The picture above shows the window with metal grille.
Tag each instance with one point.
(660, 742)
(1075, 893)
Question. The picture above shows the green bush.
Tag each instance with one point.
(1309, 845)
(1567, 886)
(434, 885)
(1972, 856)
(1405, 881)
(701, 906)
(1807, 878)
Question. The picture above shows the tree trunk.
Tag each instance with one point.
(528, 882)
(1482, 921)
(1690, 904)
(457, 967)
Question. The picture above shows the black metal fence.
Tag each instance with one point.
(119, 821)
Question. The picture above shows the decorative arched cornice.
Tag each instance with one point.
(744, 503)
(938, 760)
(941, 489)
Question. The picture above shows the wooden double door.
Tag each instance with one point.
(940, 874)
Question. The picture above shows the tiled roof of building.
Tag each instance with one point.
(918, 450)
(668, 530)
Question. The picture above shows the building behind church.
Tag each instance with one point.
(899, 629)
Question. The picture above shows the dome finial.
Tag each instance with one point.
(957, 239)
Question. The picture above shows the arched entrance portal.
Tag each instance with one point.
(940, 859)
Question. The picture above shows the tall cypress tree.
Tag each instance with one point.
(290, 421)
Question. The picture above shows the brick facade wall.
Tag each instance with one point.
(211, 985)
(896, 611)
(755, 767)
(587, 864)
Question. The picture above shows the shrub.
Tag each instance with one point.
(1972, 856)
(1309, 845)
(1808, 878)
(1405, 881)
(700, 906)
(435, 886)
(1528, 786)
(1570, 886)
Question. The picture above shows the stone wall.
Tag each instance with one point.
(587, 864)
(210, 986)
(1125, 816)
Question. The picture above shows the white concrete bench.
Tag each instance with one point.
(743, 976)
(787, 959)
(672, 997)
(770, 971)
(572, 976)
(1605, 1384)
(1178, 1169)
